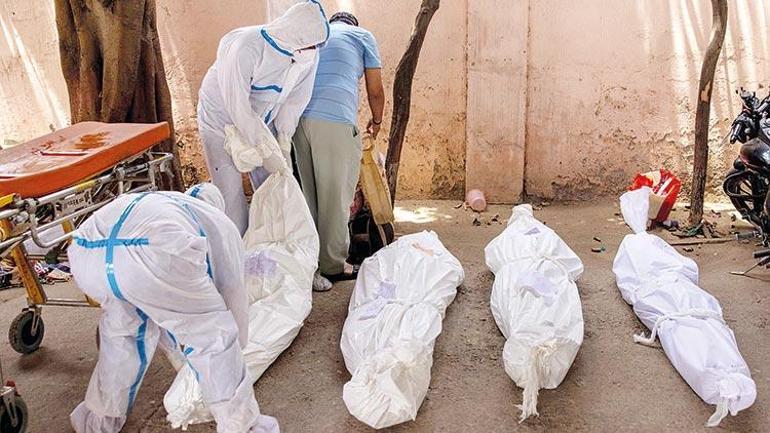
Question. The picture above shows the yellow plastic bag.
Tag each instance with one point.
(375, 188)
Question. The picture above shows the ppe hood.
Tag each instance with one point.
(208, 193)
(304, 25)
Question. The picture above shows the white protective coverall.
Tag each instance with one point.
(281, 257)
(165, 262)
(260, 83)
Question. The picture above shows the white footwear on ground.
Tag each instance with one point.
(321, 283)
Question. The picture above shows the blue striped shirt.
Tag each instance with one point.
(341, 65)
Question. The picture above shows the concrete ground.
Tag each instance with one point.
(614, 384)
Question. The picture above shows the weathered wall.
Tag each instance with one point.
(33, 93)
(189, 35)
(433, 159)
(33, 96)
(597, 89)
(497, 86)
(434, 152)
(612, 87)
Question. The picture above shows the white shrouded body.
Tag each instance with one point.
(535, 303)
(281, 257)
(394, 317)
(662, 287)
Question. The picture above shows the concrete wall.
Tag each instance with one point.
(33, 96)
(496, 105)
(189, 34)
(563, 99)
(612, 88)
(433, 159)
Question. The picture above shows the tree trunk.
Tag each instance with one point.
(700, 163)
(112, 64)
(402, 92)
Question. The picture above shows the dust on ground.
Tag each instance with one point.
(614, 384)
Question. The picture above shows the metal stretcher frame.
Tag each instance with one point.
(20, 217)
(13, 410)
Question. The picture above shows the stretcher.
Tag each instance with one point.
(58, 180)
(14, 415)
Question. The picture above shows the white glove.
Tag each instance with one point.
(276, 164)
(246, 156)
(284, 142)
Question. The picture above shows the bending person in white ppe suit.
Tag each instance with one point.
(166, 263)
(259, 84)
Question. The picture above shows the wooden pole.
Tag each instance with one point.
(402, 92)
(700, 159)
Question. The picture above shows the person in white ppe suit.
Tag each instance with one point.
(166, 264)
(260, 84)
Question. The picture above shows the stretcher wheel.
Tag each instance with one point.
(21, 418)
(21, 335)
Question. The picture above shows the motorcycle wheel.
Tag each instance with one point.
(748, 191)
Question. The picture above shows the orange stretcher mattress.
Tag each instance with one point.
(73, 154)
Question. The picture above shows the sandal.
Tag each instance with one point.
(342, 276)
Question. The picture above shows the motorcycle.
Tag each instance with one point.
(747, 184)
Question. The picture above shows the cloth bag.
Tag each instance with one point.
(374, 185)
(535, 303)
(282, 248)
(394, 318)
(664, 190)
(662, 287)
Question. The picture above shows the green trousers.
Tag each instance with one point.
(328, 156)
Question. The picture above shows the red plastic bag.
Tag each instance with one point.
(665, 190)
